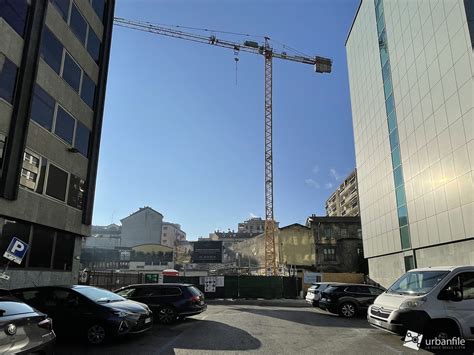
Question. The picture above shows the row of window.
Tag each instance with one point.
(48, 248)
(59, 59)
(8, 75)
(49, 114)
(329, 254)
(15, 13)
(79, 26)
(43, 177)
(392, 127)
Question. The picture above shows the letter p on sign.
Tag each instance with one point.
(18, 247)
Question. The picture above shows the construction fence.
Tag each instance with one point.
(268, 287)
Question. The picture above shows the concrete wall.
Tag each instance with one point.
(296, 246)
(143, 227)
(32, 277)
(386, 269)
(342, 277)
(461, 253)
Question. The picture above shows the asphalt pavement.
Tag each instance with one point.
(264, 327)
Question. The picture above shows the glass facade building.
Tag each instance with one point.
(410, 71)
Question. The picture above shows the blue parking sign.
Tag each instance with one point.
(16, 251)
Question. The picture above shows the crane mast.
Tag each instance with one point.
(321, 65)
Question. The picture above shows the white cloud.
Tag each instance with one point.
(312, 183)
(316, 169)
(335, 174)
(252, 215)
(328, 185)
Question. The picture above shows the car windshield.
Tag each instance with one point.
(417, 283)
(126, 292)
(99, 295)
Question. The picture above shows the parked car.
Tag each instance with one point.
(24, 329)
(167, 301)
(434, 301)
(92, 313)
(313, 295)
(348, 300)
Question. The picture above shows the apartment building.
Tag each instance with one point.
(345, 200)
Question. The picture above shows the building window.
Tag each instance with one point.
(42, 108)
(403, 215)
(64, 126)
(398, 176)
(93, 45)
(28, 175)
(41, 247)
(27, 157)
(99, 6)
(76, 192)
(88, 91)
(57, 183)
(3, 140)
(82, 139)
(51, 50)
(329, 254)
(343, 232)
(359, 233)
(15, 13)
(327, 232)
(400, 194)
(409, 262)
(72, 72)
(78, 24)
(8, 74)
(63, 251)
(63, 7)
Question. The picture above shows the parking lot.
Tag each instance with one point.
(267, 327)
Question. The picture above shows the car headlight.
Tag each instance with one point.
(120, 313)
(414, 303)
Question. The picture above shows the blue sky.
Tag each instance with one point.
(180, 136)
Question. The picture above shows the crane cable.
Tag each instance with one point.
(285, 46)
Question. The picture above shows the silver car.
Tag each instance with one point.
(313, 294)
(23, 329)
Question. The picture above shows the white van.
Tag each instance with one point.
(434, 301)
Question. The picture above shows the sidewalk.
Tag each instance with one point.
(281, 302)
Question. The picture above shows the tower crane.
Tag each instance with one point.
(321, 65)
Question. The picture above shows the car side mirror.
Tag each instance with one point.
(451, 294)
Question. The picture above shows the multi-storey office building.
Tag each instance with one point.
(345, 200)
(410, 68)
(53, 70)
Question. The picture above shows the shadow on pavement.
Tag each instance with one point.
(309, 317)
(212, 335)
(186, 334)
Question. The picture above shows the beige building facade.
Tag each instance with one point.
(410, 70)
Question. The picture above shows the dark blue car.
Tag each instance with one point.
(167, 301)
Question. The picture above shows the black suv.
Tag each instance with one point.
(349, 299)
(167, 301)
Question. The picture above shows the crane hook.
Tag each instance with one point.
(236, 59)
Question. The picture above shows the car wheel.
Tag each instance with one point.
(347, 310)
(96, 334)
(167, 315)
